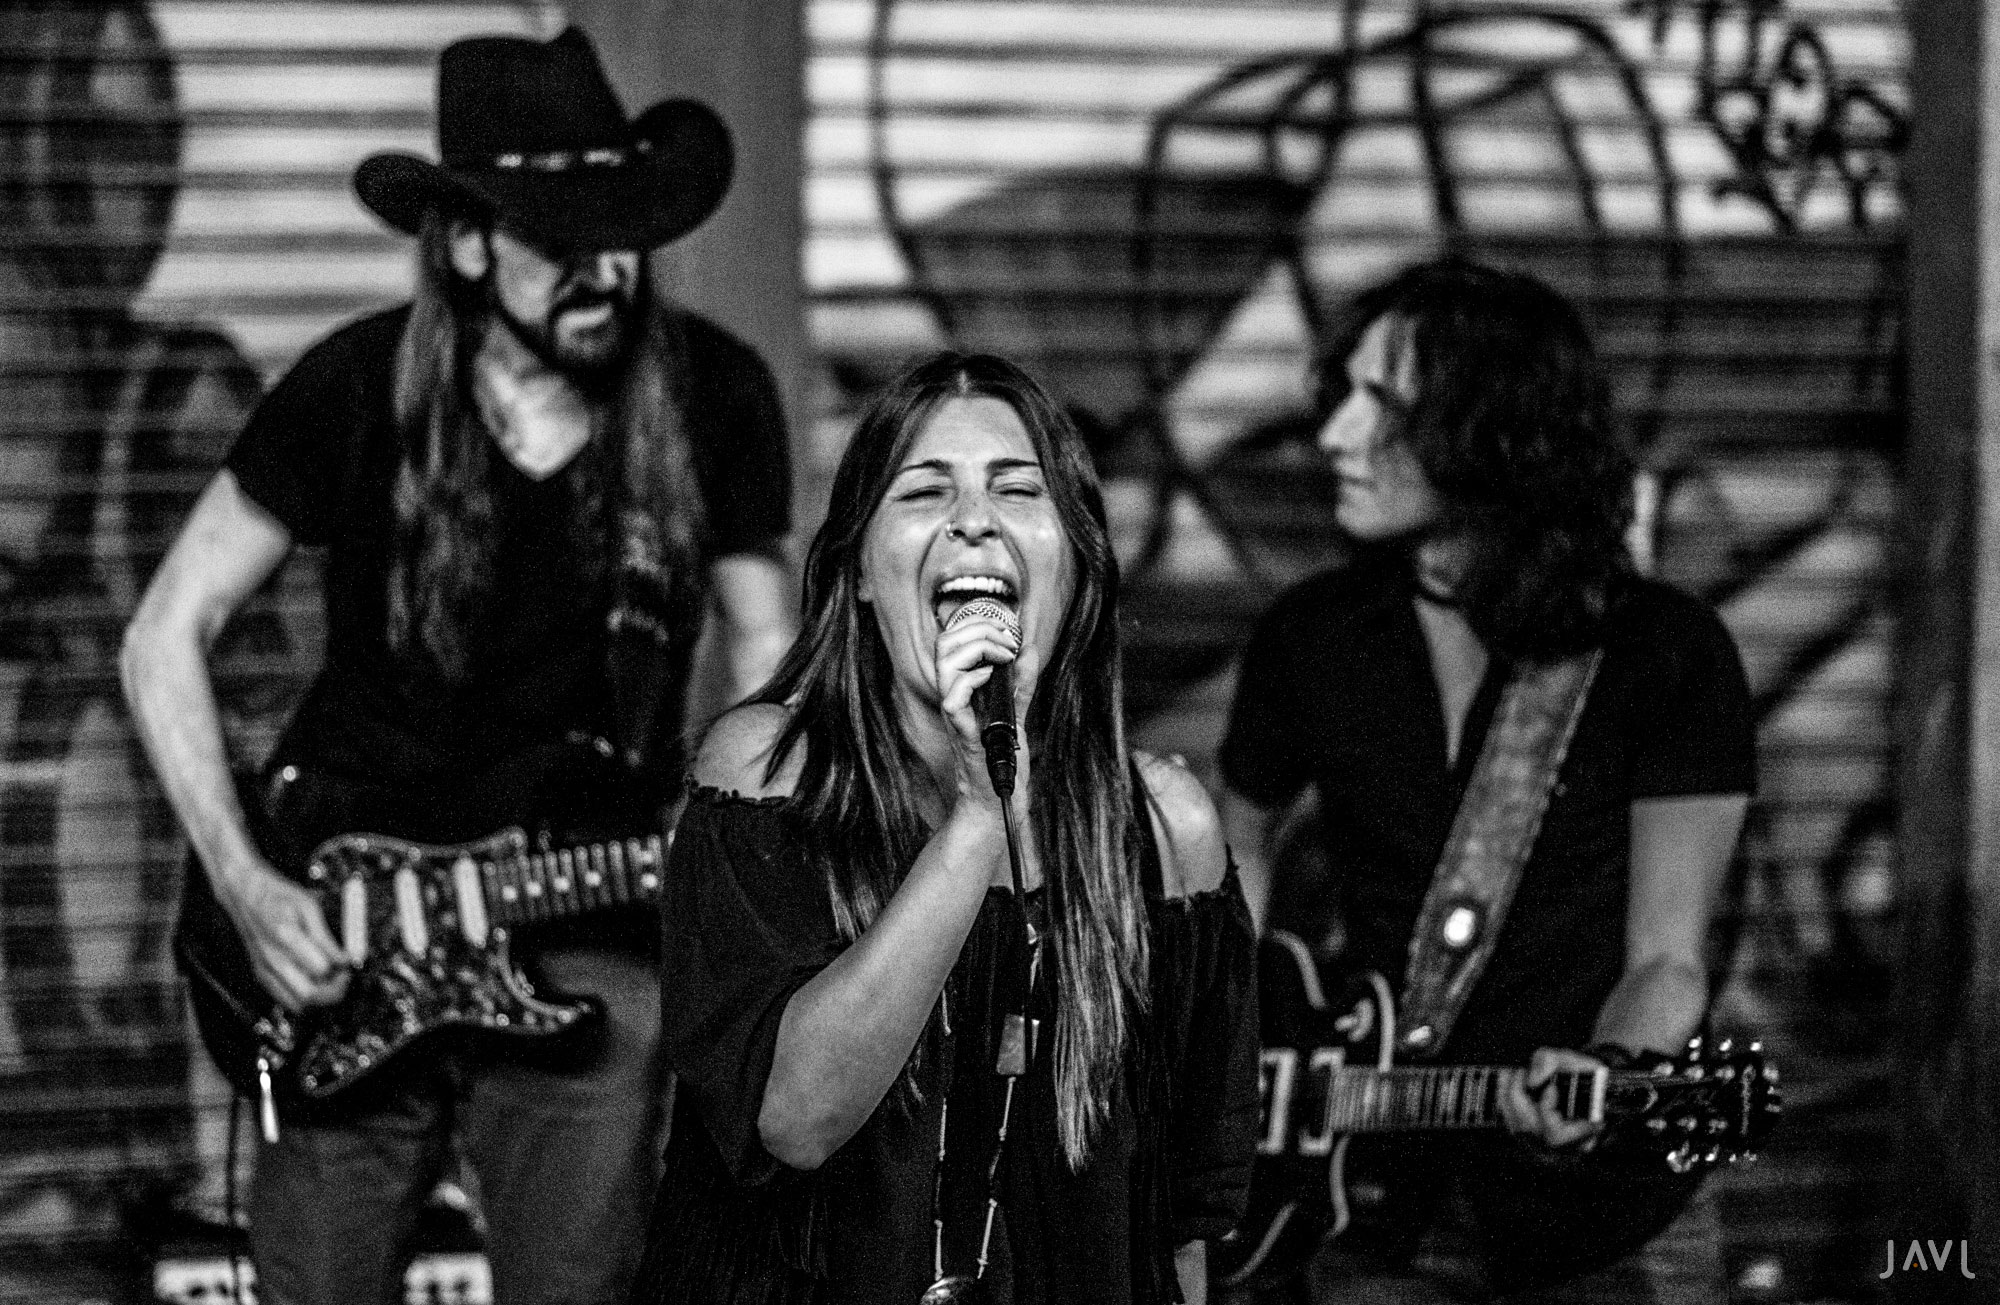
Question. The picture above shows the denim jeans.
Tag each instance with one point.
(564, 1141)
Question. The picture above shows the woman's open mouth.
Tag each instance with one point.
(956, 591)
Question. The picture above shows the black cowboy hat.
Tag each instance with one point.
(532, 136)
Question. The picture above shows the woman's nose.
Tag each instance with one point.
(972, 517)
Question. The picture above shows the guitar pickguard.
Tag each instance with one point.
(423, 965)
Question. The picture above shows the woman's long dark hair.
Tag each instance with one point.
(1512, 426)
(858, 791)
(636, 507)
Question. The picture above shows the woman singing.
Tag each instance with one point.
(910, 1067)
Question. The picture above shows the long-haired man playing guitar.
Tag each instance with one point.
(1468, 426)
(516, 476)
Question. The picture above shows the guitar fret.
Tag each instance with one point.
(613, 875)
(524, 874)
(536, 885)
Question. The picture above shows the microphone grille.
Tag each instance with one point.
(986, 609)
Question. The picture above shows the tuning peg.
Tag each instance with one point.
(1725, 1046)
(1718, 1125)
(1656, 1125)
(1714, 1154)
(1681, 1158)
(1770, 1073)
(1727, 1073)
(1756, 1046)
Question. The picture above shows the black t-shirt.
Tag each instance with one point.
(1337, 691)
(321, 453)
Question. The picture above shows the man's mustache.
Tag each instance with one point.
(591, 297)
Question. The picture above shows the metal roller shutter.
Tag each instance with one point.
(178, 225)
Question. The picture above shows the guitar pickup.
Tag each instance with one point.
(410, 920)
(354, 920)
(472, 920)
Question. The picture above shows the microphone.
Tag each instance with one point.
(993, 701)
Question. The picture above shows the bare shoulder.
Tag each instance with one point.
(735, 753)
(1192, 855)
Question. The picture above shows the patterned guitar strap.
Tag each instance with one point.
(1491, 839)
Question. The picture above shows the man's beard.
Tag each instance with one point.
(590, 357)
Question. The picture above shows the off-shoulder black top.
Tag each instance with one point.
(747, 922)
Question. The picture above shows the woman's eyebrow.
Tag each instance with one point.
(996, 467)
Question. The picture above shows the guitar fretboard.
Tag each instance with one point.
(540, 886)
(1439, 1097)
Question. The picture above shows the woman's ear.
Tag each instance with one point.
(471, 250)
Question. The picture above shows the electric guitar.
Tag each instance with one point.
(1327, 1077)
(425, 929)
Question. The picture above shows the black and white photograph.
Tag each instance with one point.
(1001, 652)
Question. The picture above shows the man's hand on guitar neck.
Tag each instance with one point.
(1529, 1106)
(286, 934)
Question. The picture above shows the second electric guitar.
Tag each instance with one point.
(425, 930)
(1327, 1076)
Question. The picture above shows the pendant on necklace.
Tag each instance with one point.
(1018, 1036)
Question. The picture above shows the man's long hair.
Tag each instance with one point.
(1512, 426)
(635, 508)
(858, 792)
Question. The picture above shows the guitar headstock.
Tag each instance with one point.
(1713, 1105)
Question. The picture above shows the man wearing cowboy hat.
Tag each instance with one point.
(530, 483)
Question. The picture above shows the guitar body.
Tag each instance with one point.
(1340, 1118)
(1309, 1183)
(426, 929)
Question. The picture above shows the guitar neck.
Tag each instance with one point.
(537, 887)
(1427, 1097)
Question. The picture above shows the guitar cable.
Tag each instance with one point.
(237, 1104)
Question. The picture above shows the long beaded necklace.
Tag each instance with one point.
(1017, 1051)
